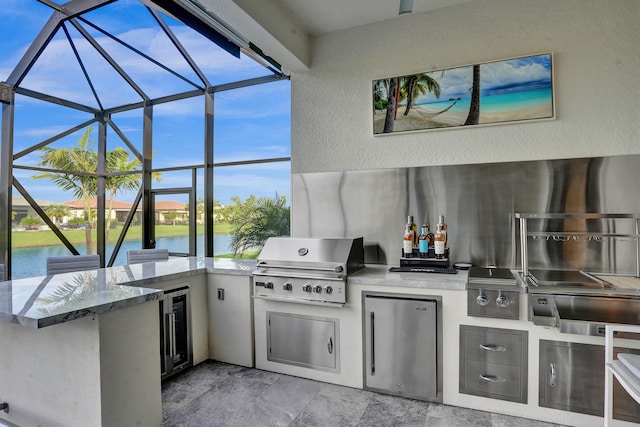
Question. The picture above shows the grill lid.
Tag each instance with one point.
(340, 256)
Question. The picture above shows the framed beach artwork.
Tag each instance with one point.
(511, 90)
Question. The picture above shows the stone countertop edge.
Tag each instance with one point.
(132, 277)
(379, 275)
(38, 323)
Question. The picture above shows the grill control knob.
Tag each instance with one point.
(287, 286)
(317, 289)
(328, 289)
(502, 301)
(268, 285)
(482, 300)
(306, 288)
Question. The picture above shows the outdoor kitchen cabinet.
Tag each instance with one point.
(493, 363)
(401, 348)
(307, 341)
(572, 379)
(230, 319)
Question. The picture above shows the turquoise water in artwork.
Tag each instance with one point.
(515, 101)
(508, 103)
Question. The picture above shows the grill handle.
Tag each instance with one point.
(335, 269)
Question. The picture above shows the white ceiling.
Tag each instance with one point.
(324, 16)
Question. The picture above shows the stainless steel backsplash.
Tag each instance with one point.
(478, 202)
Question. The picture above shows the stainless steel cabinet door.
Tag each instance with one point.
(572, 379)
(303, 341)
(401, 346)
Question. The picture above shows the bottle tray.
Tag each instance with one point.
(429, 261)
(424, 262)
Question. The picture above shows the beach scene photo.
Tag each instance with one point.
(510, 90)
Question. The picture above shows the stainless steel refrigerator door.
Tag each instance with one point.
(401, 346)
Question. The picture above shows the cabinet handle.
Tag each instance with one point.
(330, 345)
(492, 347)
(171, 320)
(492, 378)
(552, 374)
(373, 347)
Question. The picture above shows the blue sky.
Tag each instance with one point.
(498, 77)
(250, 123)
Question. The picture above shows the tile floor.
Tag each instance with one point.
(219, 394)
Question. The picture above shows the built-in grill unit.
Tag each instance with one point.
(574, 300)
(307, 270)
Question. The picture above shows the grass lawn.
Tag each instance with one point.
(23, 239)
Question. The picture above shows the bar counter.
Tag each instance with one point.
(81, 348)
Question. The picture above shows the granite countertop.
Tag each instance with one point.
(44, 301)
(377, 274)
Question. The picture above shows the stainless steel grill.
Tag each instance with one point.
(307, 271)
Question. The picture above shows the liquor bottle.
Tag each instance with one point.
(438, 243)
(414, 230)
(445, 230)
(423, 242)
(430, 237)
(407, 242)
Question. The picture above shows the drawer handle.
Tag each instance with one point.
(492, 347)
(492, 378)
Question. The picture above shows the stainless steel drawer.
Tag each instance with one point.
(492, 345)
(493, 363)
(493, 380)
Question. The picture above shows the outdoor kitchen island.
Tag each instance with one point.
(81, 349)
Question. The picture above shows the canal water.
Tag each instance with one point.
(32, 262)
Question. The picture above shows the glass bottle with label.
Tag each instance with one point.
(445, 230)
(423, 242)
(439, 242)
(430, 237)
(407, 242)
(414, 230)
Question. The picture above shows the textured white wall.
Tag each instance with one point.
(596, 47)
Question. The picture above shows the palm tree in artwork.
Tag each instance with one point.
(418, 84)
(474, 107)
(392, 100)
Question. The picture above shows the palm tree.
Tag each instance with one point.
(199, 210)
(258, 219)
(118, 161)
(81, 158)
(419, 84)
(57, 212)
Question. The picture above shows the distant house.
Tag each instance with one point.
(21, 207)
(119, 210)
(162, 207)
